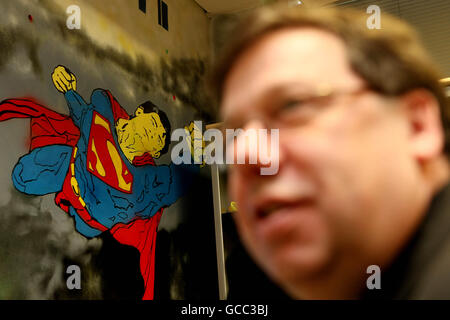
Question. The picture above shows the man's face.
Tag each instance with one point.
(143, 133)
(344, 162)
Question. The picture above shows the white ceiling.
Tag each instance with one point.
(235, 6)
(227, 6)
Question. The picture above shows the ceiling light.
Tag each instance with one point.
(294, 3)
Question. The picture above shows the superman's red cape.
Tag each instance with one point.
(48, 128)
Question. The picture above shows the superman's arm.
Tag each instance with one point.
(77, 106)
(182, 177)
(166, 184)
(65, 82)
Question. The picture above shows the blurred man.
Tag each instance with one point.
(363, 145)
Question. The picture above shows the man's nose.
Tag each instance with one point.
(256, 147)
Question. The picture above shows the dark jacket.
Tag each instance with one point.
(422, 269)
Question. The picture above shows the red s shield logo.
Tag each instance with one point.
(103, 158)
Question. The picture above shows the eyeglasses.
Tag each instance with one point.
(292, 111)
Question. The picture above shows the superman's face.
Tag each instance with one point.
(141, 134)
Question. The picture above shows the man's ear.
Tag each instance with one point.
(139, 111)
(426, 130)
(156, 155)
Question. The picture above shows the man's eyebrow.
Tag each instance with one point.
(288, 87)
(266, 98)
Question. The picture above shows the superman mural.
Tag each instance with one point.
(100, 163)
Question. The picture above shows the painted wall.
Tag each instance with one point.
(124, 50)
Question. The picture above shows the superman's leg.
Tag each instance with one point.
(43, 170)
(82, 226)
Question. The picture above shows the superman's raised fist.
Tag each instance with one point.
(63, 79)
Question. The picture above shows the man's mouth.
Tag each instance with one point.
(270, 209)
(275, 220)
